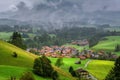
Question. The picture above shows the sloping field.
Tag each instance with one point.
(24, 58)
(100, 68)
(108, 44)
(11, 66)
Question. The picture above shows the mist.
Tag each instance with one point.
(58, 12)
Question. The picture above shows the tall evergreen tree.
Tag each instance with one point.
(117, 48)
(114, 74)
(16, 40)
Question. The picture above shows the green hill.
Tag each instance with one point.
(24, 58)
(11, 66)
(107, 43)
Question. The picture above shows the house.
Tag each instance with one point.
(81, 42)
(82, 73)
(82, 57)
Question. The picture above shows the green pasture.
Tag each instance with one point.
(108, 44)
(100, 68)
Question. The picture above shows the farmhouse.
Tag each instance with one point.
(82, 73)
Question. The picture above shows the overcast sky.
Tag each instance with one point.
(88, 5)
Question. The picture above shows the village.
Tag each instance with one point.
(71, 52)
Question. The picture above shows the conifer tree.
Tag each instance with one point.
(117, 48)
(16, 40)
(114, 74)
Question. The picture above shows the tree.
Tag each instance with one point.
(73, 73)
(55, 75)
(59, 62)
(16, 40)
(117, 48)
(114, 74)
(27, 76)
(71, 69)
(42, 67)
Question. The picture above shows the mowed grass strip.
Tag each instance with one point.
(100, 68)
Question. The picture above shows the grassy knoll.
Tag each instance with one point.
(100, 68)
(108, 44)
(80, 48)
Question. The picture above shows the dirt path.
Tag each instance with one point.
(87, 63)
(93, 78)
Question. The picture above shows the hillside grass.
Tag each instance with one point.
(108, 44)
(100, 68)
(12, 71)
(10, 65)
(7, 71)
(24, 59)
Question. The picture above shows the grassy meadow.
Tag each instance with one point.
(100, 68)
(70, 62)
(108, 44)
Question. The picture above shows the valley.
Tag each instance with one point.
(24, 62)
(60, 40)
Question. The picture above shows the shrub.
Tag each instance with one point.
(15, 54)
(71, 69)
(59, 62)
(42, 67)
(27, 76)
